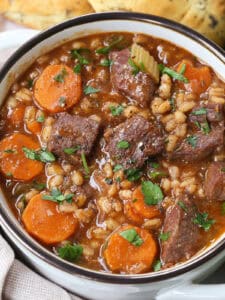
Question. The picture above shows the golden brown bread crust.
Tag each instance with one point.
(205, 16)
(41, 14)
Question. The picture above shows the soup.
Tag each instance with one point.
(112, 153)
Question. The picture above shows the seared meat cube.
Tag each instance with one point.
(138, 88)
(75, 132)
(133, 141)
(215, 181)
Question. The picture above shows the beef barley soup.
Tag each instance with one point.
(112, 153)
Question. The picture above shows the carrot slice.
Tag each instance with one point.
(43, 221)
(13, 161)
(17, 114)
(34, 127)
(199, 78)
(132, 215)
(57, 88)
(122, 256)
(143, 209)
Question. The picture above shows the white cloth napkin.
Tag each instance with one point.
(18, 282)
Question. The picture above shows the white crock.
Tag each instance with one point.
(180, 282)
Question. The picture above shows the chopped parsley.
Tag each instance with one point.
(109, 181)
(62, 101)
(84, 162)
(123, 144)
(77, 69)
(9, 174)
(38, 185)
(30, 83)
(106, 62)
(205, 128)
(41, 118)
(60, 77)
(199, 112)
(132, 236)
(164, 236)
(192, 140)
(157, 265)
(81, 59)
(90, 90)
(133, 174)
(41, 155)
(172, 104)
(182, 205)
(117, 168)
(58, 197)
(156, 174)
(202, 221)
(152, 193)
(70, 252)
(106, 50)
(72, 150)
(134, 67)
(175, 75)
(116, 110)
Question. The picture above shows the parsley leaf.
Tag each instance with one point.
(41, 118)
(85, 165)
(60, 77)
(205, 128)
(182, 205)
(156, 174)
(57, 196)
(157, 265)
(178, 76)
(164, 236)
(72, 150)
(133, 174)
(123, 144)
(10, 151)
(109, 181)
(106, 50)
(132, 236)
(41, 155)
(117, 168)
(106, 63)
(76, 54)
(152, 193)
(62, 101)
(90, 90)
(192, 140)
(134, 67)
(172, 104)
(70, 252)
(77, 69)
(38, 185)
(30, 83)
(200, 111)
(202, 221)
(116, 110)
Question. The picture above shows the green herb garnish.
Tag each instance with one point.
(41, 155)
(134, 67)
(164, 236)
(200, 111)
(106, 50)
(109, 181)
(157, 265)
(152, 193)
(84, 162)
(182, 205)
(76, 54)
(57, 196)
(10, 151)
(132, 236)
(72, 150)
(133, 174)
(38, 185)
(116, 110)
(9, 174)
(172, 104)
(192, 140)
(60, 77)
(156, 174)
(202, 221)
(106, 63)
(77, 69)
(41, 118)
(123, 144)
(70, 252)
(178, 76)
(90, 90)
(62, 101)
(30, 83)
(117, 168)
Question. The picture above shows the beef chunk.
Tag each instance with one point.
(71, 131)
(215, 181)
(138, 88)
(207, 125)
(183, 233)
(143, 139)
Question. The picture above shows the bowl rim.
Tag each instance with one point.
(37, 249)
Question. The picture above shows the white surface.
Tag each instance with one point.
(95, 289)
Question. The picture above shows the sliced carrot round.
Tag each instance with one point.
(57, 88)
(16, 115)
(199, 78)
(43, 221)
(143, 209)
(122, 256)
(13, 161)
(132, 215)
(34, 127)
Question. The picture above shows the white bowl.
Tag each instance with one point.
(173, 283)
